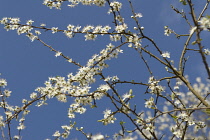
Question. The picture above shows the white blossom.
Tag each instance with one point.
(166, 54)
(149, 103)
(29, 22)
(205, 23)
(58, 54)
(97, 137)
(54, 29)
(167, 31)
(3, 82)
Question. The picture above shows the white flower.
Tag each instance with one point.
(115, 37)
(149, 103)
(183, 115)
(7, 93)
(24, 29)
(14, 20)
(207, 51)
(54, 29)
(65, 134)
(58, 54)
(178, 133)
(4, 20)
(115, 78)
(104, 88)
(31, 37)
(57, 134)
(71, 5)
(166, 55)
(24, 101)
(37, 32)
(87, 28)
(107, 79)
(108, 117)
(97, 29)
(97, 137)
(205, 23)
(29, 22)
(70, 60)
(42, 24)
(126, 96)
(61, 98)
(70, 27)
(90, 37)
(137, 15)
(119, 18)
(98, 95)
(151, 79)
(68, 33)
(71, 115)
(77, 28)
(116, 6)
(8, 113)
(121, 28)
(150, 127)
(192, 30)
(80, 110)
(3, 82)
(16, 137)
(130, 45)
(177, 102)
(167, 31)
(21, 126)
(176, 87)
(66, 127)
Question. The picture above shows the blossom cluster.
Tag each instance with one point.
(172, 115)
(78, 85)
(134, 40)
(149, 103)
(66, 132)
(108, 117)
(58, 3)
(154, 87)
(14, 24)
(196, 122)
(3, 82)
(205, 23)
(165, 54)
(206, 51)
(167, 31)
(10, 111)
(91, 32)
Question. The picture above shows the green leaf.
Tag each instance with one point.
(175, 117)
(207, 111)
(130, 91)
(172, 96)
(121, 122)
(183, 2)
(132, 96)
(93, 106)
(208, 16)
(194, 42)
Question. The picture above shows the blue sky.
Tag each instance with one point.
(26, 65)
